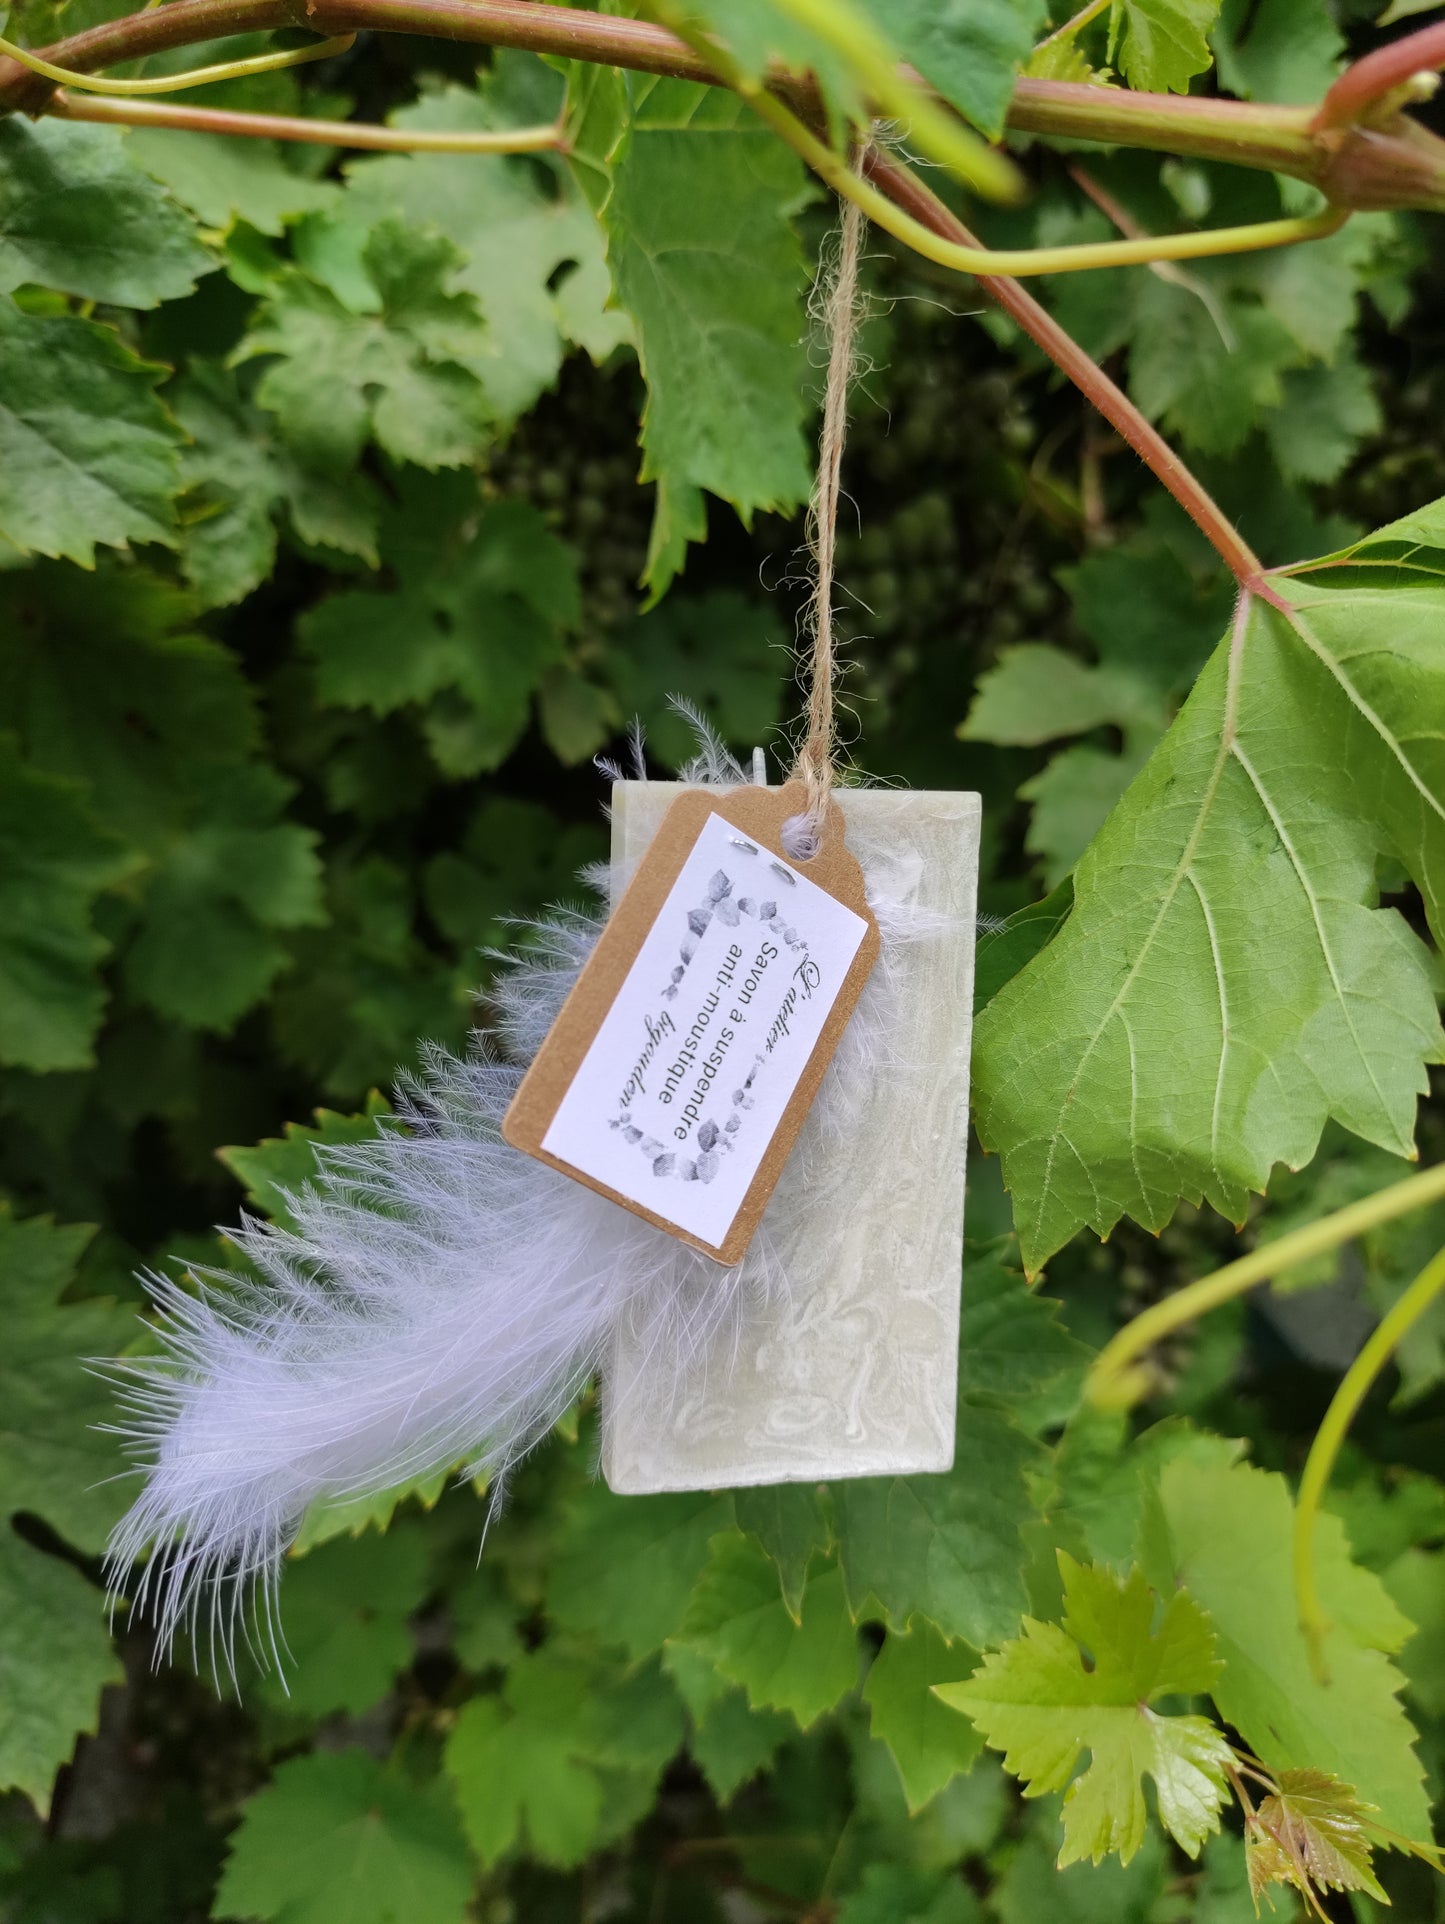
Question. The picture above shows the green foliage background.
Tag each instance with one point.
(347, 509)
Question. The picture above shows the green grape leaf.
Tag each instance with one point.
(54, 863)
(222, 179)
(724, 651)
(344, 1612)
(734, 1741)
(234, 482)
(159, 725)
(577, 716)
(758, 32)
(87, 453)
(624, 1567)
(1011, 1344)
(486, 1634)
(1003, 951)
(1061, 59)
(269, 1170)
(206, 952)
(1089, 1684)
(730, 1741)
(899, 1894)
(78, 214)
(739, 1622)
(337, 1516)
(1325, 414)
(704, 258)
(107, 687)
(1416, 1583)
(1312, 1835)
(1033, 1886)
(932, 1743)
(970, 50)
(564, 1761)
(1161, 44)
(479, 613)
(1037, 693)
(54, 1461)
(1250, 838)
(396, 367)
(514, 856)
(493, 209)
(56, 1657)
(337, 1838)
(1225, 1532)
(366, 988)
(1234, 345)
(1386, 1515)
(1073, 798)
(1284, 50)
(1103, 1478)
(1147, 612)
(791, 1522)
(1178, 373)
(950, 1547)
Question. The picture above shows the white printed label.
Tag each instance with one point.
(685, 1083)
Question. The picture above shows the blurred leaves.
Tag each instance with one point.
(737, 1619)
(87, 453)
(474, 622)
(54, 862)
(56, 1657)
(337, 1838)
(56, 1653)
(563, 1761)
(77, 213)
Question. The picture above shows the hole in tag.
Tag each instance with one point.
(800, 839)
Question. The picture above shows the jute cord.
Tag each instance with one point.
(816, 763)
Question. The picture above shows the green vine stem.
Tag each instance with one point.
(1399, 164)
(905, 188)
(176, 83)
(898, 92)
(974, 259)
(1118, 1379)
(1354, 1387)
(1408, 168)
(318, 133)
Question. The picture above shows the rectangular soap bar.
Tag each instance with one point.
(856, 1375)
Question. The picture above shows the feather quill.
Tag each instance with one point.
(440, 1299)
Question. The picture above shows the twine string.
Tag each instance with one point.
(816, 763)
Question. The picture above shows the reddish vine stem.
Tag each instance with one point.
(1234, 133)
(905, 188)
(1379, 75)
(1399, 165)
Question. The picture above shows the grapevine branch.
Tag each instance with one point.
(1355, 1385)
(1389, 162)
(1118, 1378)
(904, 187)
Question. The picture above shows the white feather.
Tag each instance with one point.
(442, 1298)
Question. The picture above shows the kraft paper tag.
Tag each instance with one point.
(680, 1069)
